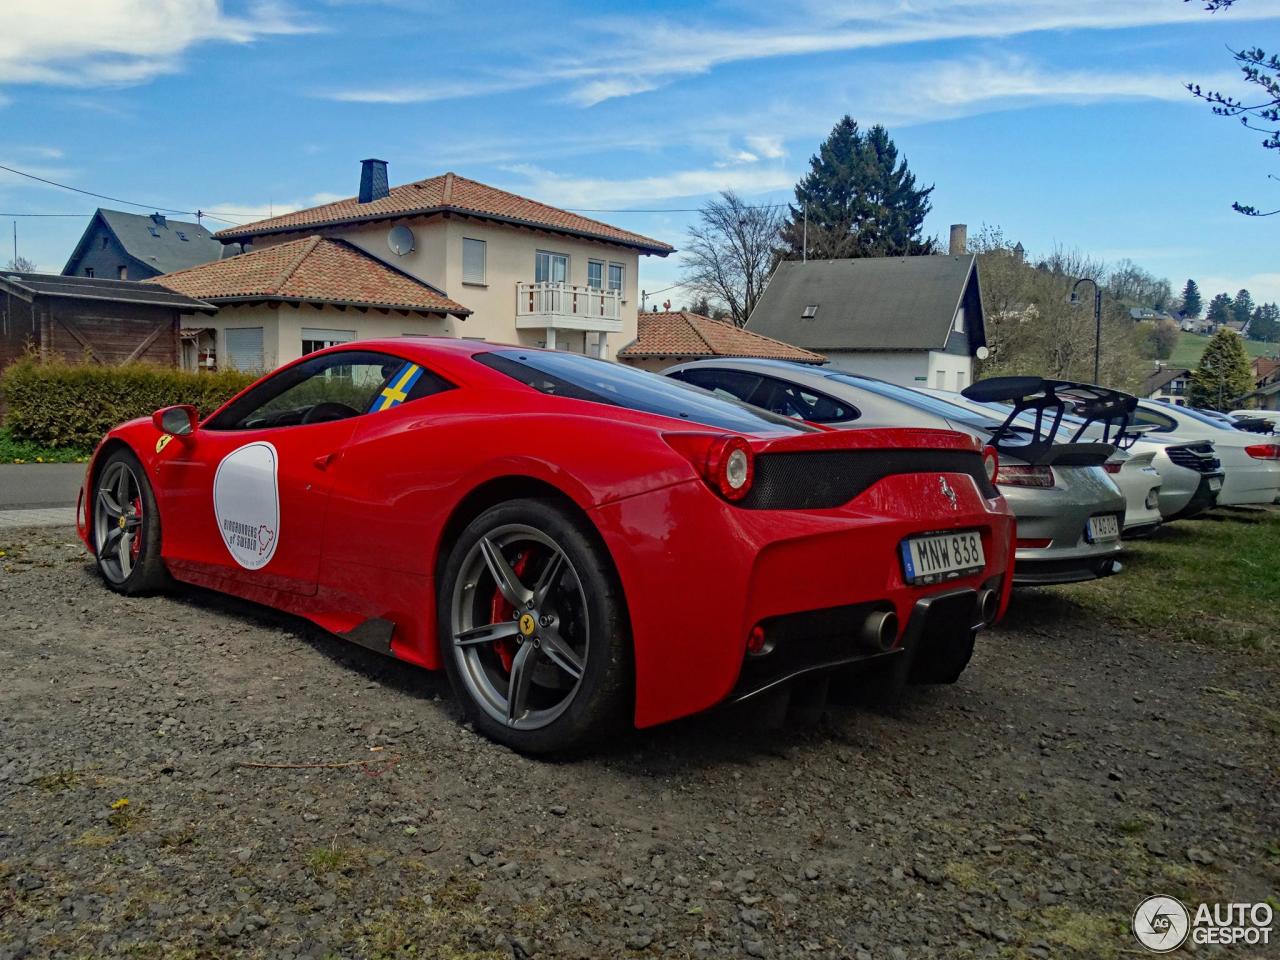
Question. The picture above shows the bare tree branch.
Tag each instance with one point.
(730, 252)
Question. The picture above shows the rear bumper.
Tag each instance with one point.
(1204, 497)
(696, 590)
(821, 641)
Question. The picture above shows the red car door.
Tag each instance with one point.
(250, 504)
(245, 496)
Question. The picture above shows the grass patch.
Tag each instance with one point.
(1096, 935)
(1210, 580)
(13, 450)
(1191, 346)
(59, 781)
(333, 859)
(965, 875)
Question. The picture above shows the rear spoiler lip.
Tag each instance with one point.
(1069, 455)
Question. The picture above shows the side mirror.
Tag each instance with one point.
(179, 421)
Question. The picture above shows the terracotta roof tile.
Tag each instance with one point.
(448, 193)
(679, 333)
(311, 269)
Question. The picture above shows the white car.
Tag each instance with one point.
(1250, 461)
(1190, 472)
(1140, 483)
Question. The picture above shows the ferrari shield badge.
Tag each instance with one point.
(163, 441)
(246, 502)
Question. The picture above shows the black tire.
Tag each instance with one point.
(140, 521)
(601, 701)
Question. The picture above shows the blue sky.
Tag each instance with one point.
(1060, 121)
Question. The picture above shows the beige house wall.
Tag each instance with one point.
(509, 260)
(283, 326)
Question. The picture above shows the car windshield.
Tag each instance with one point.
(585, 378)
(921, 401)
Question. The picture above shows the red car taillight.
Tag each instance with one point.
(724, 462)
(1019, 475)
(1113, 466)
(1264, 451)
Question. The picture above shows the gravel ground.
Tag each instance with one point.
(1024, 812)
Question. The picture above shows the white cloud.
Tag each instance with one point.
(579, 192)
(431, 92)
(119, 42)
(766, 145)
(240, 212)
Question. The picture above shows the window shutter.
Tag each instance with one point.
(244, 349)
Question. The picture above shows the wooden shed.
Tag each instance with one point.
(92, 319)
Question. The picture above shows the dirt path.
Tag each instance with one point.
(1022, 813)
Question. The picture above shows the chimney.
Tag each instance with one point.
(373, 180)
(959, 239)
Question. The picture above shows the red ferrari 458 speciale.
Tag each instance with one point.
(578, 543)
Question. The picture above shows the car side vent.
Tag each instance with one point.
(1194, 456)
(823, 479)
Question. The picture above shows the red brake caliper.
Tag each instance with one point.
(135, 548)
(502, 611)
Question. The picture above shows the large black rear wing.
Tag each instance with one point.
(1105, 415)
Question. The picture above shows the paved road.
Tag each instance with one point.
(30, 485)
(39, 494)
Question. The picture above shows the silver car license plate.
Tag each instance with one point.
(1103, 527)
(1215, 483)
(943, 556)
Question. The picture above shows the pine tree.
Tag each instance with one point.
(1191, 302)
(859, 198)
(1224, 375)
(1220, 309)
(1265, 324)
(1242, 306)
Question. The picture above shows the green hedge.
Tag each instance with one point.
(58, 404)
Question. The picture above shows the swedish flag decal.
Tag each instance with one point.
(397, 389)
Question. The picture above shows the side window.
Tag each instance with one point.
(801, 403)
(726, 383)
(330, 387)
(1158, 421)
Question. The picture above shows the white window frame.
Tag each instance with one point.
(484, 263)
(552, 257)
(621, 288)
(599, 285)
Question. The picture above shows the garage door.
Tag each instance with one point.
(244, 349)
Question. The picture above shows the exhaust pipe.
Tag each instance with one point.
(879, 631)
(988, 606)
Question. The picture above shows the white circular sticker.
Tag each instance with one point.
(246, 503)
(1161, 924)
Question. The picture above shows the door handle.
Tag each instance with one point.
(323, 461)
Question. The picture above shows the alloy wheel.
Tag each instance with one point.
(519, 627)
(118, 519)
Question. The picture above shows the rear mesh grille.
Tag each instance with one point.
(1197, 456)
(822, 479)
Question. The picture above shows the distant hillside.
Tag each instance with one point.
(1191, 345)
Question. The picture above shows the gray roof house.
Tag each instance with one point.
(136, 246)
(915, 321)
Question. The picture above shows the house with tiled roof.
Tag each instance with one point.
(1167, 383)
(677, 336)
(279, 302)
(133, 246)
(522, 271)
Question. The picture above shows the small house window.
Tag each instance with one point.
(615, 278)
(152, 230)
(181, 235)
(104, 243)
(958, 325)
(595, 274)
(88, 271)
(473, 260)
(809, 312)
(122, 273)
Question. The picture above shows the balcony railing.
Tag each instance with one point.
(568, 307)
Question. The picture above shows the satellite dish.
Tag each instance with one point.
(400, 240)
(983, 353)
